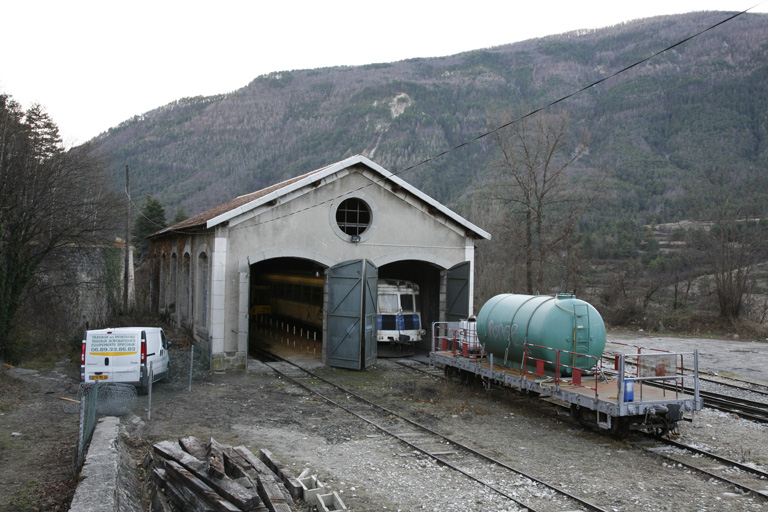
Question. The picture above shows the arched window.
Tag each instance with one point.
(162, 299)
(185, 304)
(202, 288)
(174, 272)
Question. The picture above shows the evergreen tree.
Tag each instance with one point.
(150, 220)
(181, 215)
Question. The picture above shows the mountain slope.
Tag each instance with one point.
(654, 127)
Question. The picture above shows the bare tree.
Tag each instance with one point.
(544, 203)
(50, 200)
(732, 207)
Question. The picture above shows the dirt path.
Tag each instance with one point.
(38, 440)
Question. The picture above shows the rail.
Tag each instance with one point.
(282, 331)
(646, 365)
(638, 354)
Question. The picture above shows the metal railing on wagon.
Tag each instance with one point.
(654, 367)
(452, 337)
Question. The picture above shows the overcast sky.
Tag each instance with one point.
(94, 63)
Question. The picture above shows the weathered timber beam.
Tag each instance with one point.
(184, 478)
(233, 491)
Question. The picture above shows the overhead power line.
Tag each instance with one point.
(518, 119)
(579, 91)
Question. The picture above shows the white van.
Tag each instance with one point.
(125, 355)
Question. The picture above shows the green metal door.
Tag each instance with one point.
(457, 293)
(352, 291)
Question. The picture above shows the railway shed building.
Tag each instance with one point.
(348, 223)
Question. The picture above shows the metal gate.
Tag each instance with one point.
(352, 293)
(457, 293)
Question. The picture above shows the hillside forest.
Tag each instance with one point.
(613, 163)
(662, 165)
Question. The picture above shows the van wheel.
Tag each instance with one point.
(143, 389)
(167, 376)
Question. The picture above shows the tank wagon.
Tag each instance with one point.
(554, 347)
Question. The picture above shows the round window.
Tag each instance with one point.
(353, 216)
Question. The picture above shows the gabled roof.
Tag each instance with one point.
(245, 203)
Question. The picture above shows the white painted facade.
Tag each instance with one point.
(297, 219)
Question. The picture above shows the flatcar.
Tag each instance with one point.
(554, 347)
(398, 318)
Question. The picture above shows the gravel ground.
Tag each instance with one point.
(374, 473)
(731, 357)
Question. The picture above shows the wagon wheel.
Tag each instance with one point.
(662, 431)
(619, 428)
(575, 412)
(470, 380)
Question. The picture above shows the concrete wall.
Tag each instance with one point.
(301, 224)
(179, 294)
(403, 228)
(83, 286)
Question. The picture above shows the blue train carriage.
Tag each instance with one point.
(398, 318)
(554, 347)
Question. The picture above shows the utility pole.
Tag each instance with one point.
(126, 273)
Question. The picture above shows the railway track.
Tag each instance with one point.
(733, 382)
(748, 409)
(743, 477)
(743, 407)
(513, 484)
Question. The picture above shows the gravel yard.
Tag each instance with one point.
(373, 472)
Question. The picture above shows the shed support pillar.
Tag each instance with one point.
(242, 321)
(218, 293)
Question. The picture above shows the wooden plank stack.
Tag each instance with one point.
(189, 475)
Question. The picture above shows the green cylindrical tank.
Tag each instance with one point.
(508, 321)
